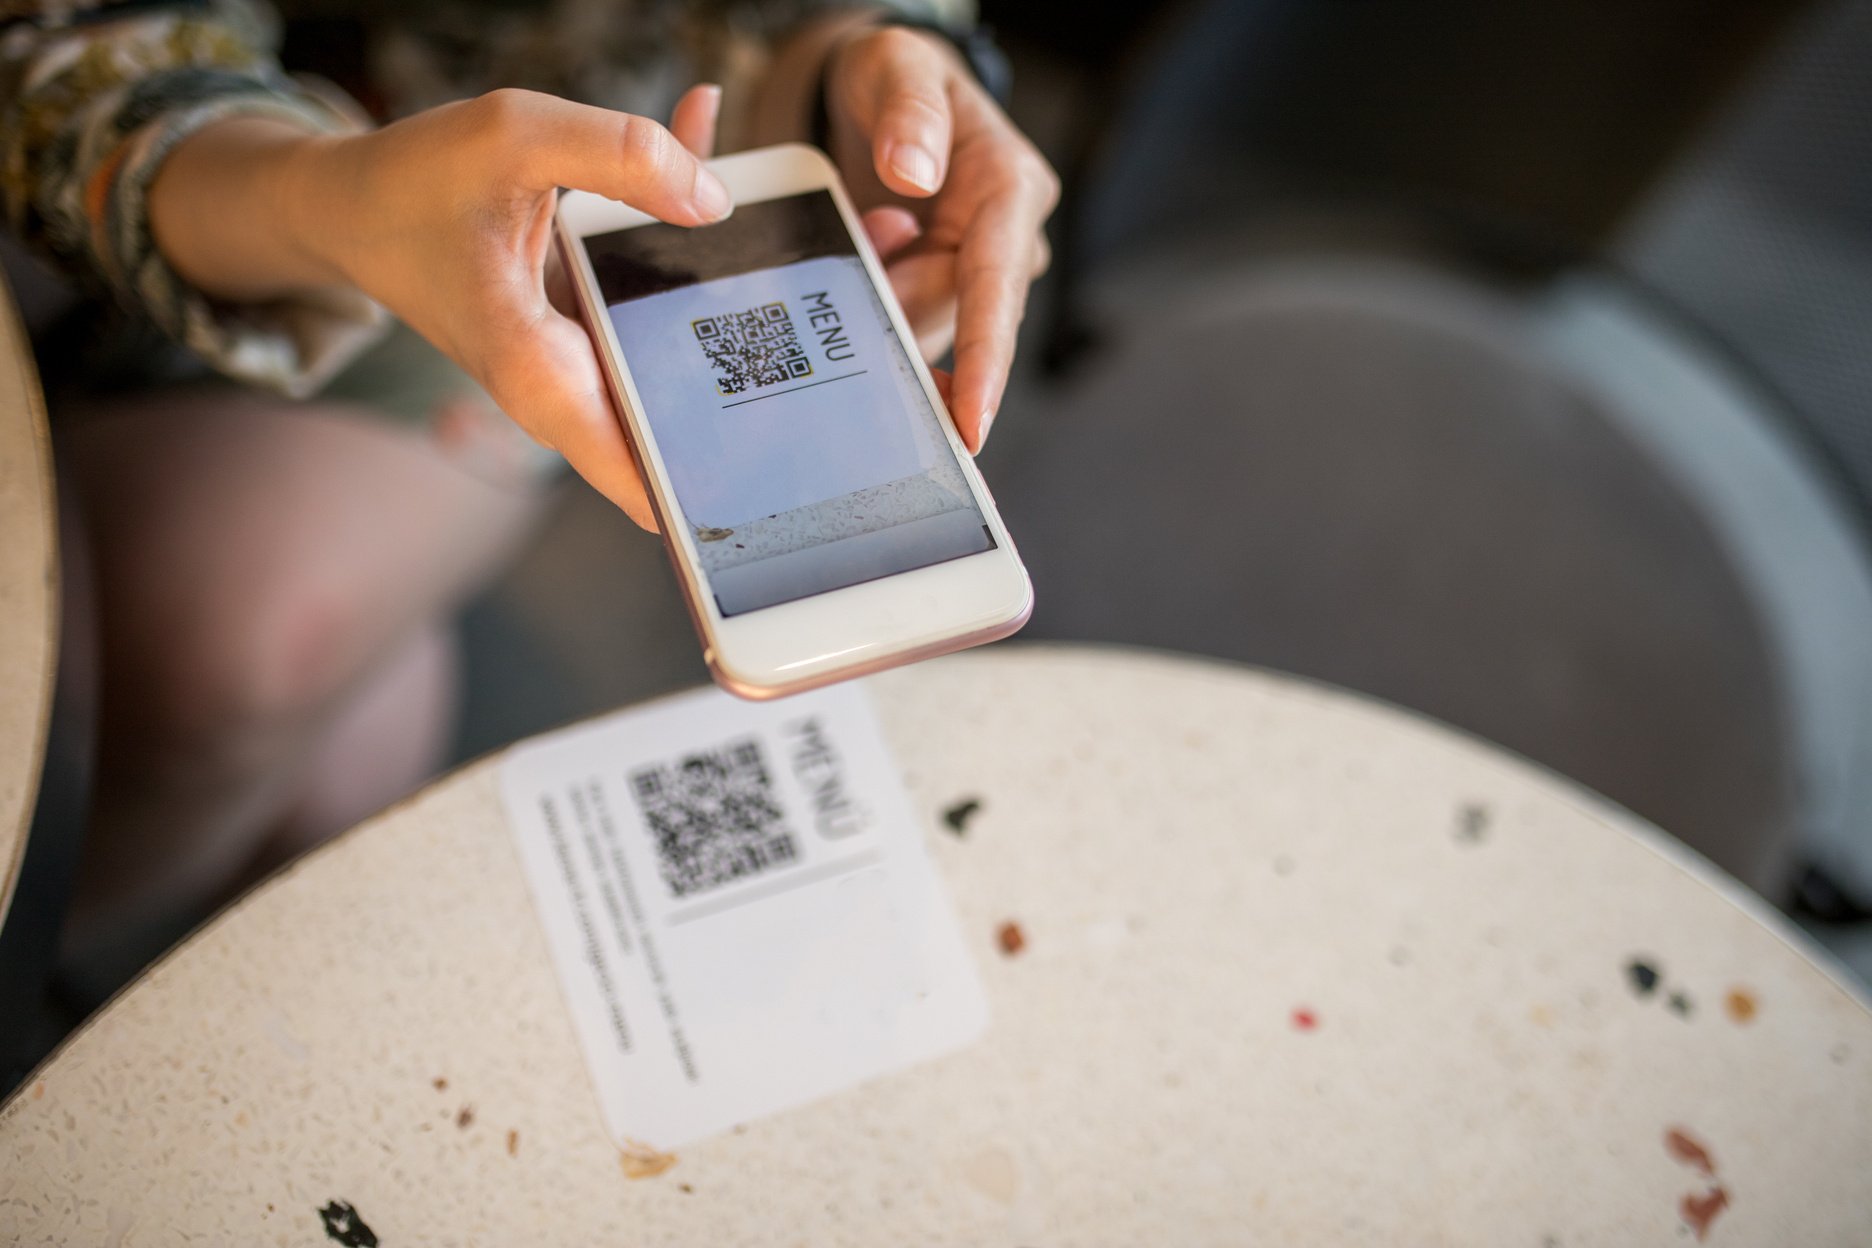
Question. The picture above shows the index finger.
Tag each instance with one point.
(904, 106)
(993, 272)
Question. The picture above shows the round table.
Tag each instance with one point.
(1296, 968)
(28, 592)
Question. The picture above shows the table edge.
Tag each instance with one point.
(14, 339)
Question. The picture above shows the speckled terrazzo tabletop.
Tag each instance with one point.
(1268, 964)
(28, 591)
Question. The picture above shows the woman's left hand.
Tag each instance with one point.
(956, 201)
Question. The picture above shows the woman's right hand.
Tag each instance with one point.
(446, 218)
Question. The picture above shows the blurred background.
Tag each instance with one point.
(1509, 363)
(1512, 363)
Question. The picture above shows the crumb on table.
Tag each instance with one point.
(1010, 937)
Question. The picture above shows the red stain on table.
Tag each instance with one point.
(1684, 1147)
(1740, 1005)
(1699, 1211)
(1304, 1019)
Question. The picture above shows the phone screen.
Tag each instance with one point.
(803, 452)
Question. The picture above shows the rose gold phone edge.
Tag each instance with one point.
(591, 310)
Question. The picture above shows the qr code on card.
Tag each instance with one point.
(713, 817)
(751, 349)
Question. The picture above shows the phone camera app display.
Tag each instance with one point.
(801, 446)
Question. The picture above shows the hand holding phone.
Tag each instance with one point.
(920, 142)
(820, 507)
(446, 219)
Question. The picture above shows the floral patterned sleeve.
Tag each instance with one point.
(93, 95)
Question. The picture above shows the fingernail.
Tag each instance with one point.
(914, 165)
(981, 430)
(711, 197)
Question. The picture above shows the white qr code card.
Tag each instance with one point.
(739, 907)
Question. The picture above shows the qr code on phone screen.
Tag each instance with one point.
(754, 348)
(713, 817)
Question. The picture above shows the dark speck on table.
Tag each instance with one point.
(958, 815)
(343, 1225)
(1472, 822)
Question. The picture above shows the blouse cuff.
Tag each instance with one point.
(292, 345)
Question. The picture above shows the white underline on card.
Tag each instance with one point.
(809, 385)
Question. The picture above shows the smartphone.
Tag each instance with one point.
(822, 513)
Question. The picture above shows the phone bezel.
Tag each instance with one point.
(838, 633)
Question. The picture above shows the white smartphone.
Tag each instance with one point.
(824, 517)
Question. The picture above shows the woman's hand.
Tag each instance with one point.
(957, 201)
(446, 218)
(448, 222)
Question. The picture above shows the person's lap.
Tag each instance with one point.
(272, 586)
